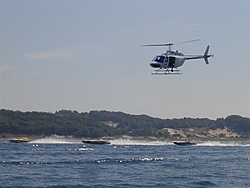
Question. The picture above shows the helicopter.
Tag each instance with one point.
(168, 62)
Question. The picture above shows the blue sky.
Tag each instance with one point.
(87, 55)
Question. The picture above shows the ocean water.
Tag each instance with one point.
(66, 163)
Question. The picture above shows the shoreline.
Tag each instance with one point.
(125, 137)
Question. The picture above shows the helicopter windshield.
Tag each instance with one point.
(159, 58)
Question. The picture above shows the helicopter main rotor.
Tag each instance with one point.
(171, 44)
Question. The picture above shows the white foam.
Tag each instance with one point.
(218, 143)
(139, 142)
(52, 140)
(126, 142)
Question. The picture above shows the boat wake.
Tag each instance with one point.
(139, 142)
(126, 142)
(170, 143)
(52, 140)
(223, 144)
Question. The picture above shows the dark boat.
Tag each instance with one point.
(19, 140)
(96, 142)
(185, 143)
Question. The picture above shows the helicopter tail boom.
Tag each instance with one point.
(205, 56)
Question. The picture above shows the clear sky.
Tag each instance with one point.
(87, 55)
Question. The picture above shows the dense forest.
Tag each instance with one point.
(96, 124)
(46, 124)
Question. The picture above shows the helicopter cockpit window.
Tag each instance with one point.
(159, 58)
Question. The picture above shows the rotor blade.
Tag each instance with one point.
(169, 44)
(190, 41)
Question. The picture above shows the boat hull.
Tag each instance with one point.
(185, 143)
(19, 141)
(96, 142)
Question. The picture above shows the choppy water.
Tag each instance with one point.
(69, 163)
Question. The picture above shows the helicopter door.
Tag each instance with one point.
(171, 62)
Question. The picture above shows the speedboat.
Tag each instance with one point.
(19, 140)
(184, 143)
(96, 142)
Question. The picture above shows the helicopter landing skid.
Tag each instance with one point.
(166, 72)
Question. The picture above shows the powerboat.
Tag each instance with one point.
(185, 143)
(96, 142)
(19, 140)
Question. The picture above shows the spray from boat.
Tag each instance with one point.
(127, 142)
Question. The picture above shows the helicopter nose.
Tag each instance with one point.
(155, 65)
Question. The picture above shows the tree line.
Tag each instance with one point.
(46, 124)
(93, 124)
